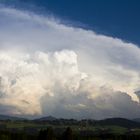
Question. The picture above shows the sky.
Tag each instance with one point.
(116, 18)
(70, 59)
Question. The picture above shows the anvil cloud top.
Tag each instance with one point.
(48, 67)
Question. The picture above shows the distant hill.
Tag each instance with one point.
(6, 117)
(119, 122)
(48, 118)
(106, 122)
(122, 122)
(137, 120)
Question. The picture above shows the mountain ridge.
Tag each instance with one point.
(8, 117)
(123, 122)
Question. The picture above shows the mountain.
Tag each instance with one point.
(48, 118)
(122, 122)
(137, 120)
(6, 117)
(119, 122)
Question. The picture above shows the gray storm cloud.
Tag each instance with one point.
(48, 68)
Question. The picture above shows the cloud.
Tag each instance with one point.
(48, 68)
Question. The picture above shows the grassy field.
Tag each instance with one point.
(21, 125)
(31, 130)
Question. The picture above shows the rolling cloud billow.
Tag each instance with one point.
(49, 68)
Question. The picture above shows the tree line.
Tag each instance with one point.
(68, 134)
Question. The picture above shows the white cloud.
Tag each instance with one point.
(50, 68)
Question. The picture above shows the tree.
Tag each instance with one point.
(46, 134)
(68, 135)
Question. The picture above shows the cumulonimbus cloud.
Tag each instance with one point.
(48, 68)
